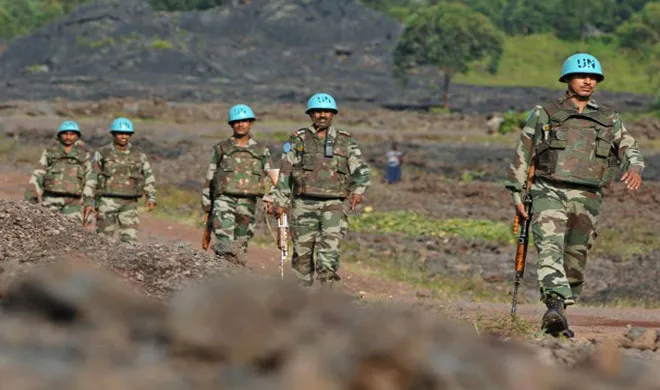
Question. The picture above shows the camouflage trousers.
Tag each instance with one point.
(69, 206)
(317, 228)
(117, 214)
(233, 220)
(564, 227)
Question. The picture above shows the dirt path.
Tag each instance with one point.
(588, 322)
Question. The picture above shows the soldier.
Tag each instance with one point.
(576, 147)
(236, 177)
(321, 167)
(121, 175)
(60, 181)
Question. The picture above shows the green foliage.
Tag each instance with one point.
(414, 224)
(162, 44)
(513, 121)
(19, 17)
(448, 37)
(642, 34)
(535, 60)
(186, 5)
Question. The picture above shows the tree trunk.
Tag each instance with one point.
(445, 88)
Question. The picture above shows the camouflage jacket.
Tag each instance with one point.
(62, 173)
(536, 132)
(311, 166)
(122, 173)
(236, 170)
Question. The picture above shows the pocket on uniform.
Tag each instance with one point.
(558, 139)
(309, 162)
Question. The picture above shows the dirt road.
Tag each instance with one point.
(359, 280)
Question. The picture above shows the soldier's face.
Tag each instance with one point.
(322, 119)
(582, 85)
(68, 138)
(241, 128)
(121, 139)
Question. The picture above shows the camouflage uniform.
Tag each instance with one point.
(121, 178)
(60, 180)
(576, 155)
(319, 185)
(234, 180)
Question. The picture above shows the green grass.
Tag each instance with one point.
(536, 60)
(405, 268)
(626, 243)
(180, 205)
(415, 224)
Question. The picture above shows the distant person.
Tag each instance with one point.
(575, 146)
(321, 167)
(235, 178)
(394, 161)
(59, 182)
(122, 175)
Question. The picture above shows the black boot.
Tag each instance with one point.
(554, 322)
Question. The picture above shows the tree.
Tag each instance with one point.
(448, 37)
(642, 34)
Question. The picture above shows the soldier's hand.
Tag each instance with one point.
(520, 210)
(356, 199)
(632, 179)
(151, 205)
(277, 210)
(268, 207)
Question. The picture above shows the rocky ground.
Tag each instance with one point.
(284, 50)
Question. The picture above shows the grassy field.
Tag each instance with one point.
(536, 60)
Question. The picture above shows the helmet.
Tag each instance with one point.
(321, 101)
(121, 125)
(240, 112)
(581, 63)
(68, 126)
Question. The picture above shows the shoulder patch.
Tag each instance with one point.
(286, 148)
(342, 132)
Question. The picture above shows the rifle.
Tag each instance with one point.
(283, 240)
(523, 238)
(208, 218)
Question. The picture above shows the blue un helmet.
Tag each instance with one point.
(581, 63)
(121, 125)
(321, 101)
(240, 112)
(68, 126)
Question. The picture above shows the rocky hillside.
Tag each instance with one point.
(259, 50)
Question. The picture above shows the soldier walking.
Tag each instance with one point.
(576, 147)
(60, 181)
(321, 167)
(235, 178)
(122, 175)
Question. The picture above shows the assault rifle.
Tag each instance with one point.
(282, 226)
(521, 227)
(283, 240)
(208, 218)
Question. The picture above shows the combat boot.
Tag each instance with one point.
(554, 321)
(328, 279)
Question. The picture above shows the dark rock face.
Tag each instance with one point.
(264, 50)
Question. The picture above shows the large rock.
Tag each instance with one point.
(262, 50)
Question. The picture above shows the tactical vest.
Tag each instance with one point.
(65, 173)
(577, 147)
(121, 174)
(322, 173)
(240, 170)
